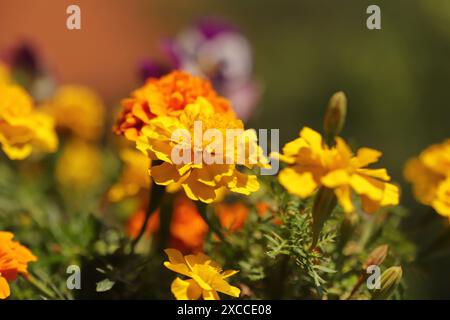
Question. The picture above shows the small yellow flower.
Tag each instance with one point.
(207, 278)
(200, 180)
(429, 174)
(80, 165)
(312, 164)
(77, 109)
(134, 177)
(22, 128)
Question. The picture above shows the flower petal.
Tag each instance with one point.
(301, 184)
(4, 288)
(185, 289)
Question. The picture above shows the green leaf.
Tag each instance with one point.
(104, 285)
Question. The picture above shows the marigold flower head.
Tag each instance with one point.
(134, 176)
(200, 180)
(206, 277)
(312, 164)
(14, 259)
(187, 227)
(77, 109)
(166, 96)
(80, 165)
(429, 174)
(22, 128)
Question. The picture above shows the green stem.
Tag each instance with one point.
(203, 210)
(40, 286)
(324, 203)
(156, 195)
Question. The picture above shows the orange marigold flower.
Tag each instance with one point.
(187, 228)
(166, 96)
(14, 259)
(232, 216)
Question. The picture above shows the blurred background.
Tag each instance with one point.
(396, 79)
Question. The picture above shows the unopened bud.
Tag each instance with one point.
(377, 256)
(335, 116)
(324, 203)
(390, 279)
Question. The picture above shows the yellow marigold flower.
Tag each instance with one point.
(22, 128)
(77, 109)
(313, 164)
(5, 75)
(207, 278)
(167, 96)
(134, 175)
(14, 259)
(80, 165)
(200, 181)
(429, 174)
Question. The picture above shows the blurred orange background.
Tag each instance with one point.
(114, 35)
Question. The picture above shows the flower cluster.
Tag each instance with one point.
(14, 259)
(313, 164)
(22, 127)
(429, 174)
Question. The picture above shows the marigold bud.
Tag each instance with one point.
(390, 279)
(335, 116)
(377, 256)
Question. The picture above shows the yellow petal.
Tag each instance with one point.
(336, 178)
(185, 289)
(4, 288)
(164, 174)
(370, 187)
(344, 196)
(293, 147)
(375, 173)
(366, 156)
(313, 138)
(302, 185)
(229, 273)
(391, 195)
(210, 295)
(221, 285)
(176, 262)
(196, 190)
